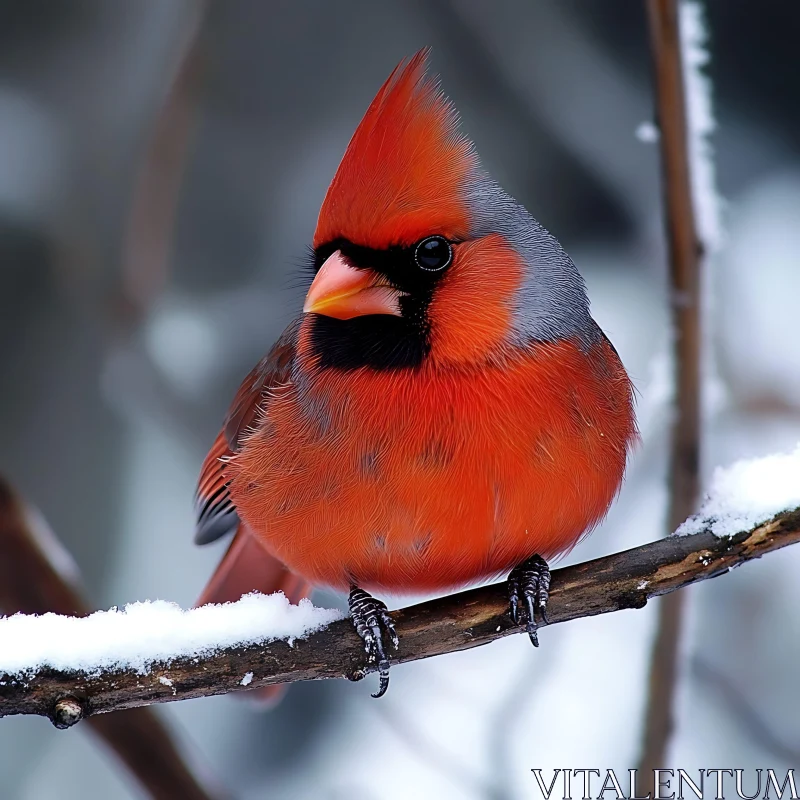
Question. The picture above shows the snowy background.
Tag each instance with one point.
(126, 325)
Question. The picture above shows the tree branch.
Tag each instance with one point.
(457, 622)
(685, 261)
(35, 577)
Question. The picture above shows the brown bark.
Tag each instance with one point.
(457, 622)
(685, 261)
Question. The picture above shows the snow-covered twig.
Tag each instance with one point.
(687, 184)
(708, 205)
(67, 667)
(457, 622)
(37, 575)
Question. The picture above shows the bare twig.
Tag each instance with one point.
(685, 255)
(457, 622)
(32, 583)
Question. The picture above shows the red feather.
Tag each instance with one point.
(404, 171)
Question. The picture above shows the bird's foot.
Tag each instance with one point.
(372, 621)
(529, 587)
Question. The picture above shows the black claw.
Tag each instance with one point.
(383, 672)
(372, 621)
(543, 614)
(529, 585)
(513, 597)
(531, 610)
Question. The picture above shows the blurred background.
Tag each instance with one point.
(161, 167)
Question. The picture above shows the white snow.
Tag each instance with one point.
(701, 123)
(152, 631)
(247, 680)
(748, 493)
(648, 132)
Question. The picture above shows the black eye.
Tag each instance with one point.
(433, 254)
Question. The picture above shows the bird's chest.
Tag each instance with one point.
(444, 480)
(402, 434)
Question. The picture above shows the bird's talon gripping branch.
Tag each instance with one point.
(371, 620)
(529, 584)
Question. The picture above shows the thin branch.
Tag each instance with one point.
(449, 624)
(685, 255)
(33, 581)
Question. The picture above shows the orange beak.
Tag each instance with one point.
(344, 292)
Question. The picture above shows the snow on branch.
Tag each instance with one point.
(708, 205)
(701, 123)
(143, 634)
(66, 668)
(747, 493)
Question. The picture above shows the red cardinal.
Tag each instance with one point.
(445, 409)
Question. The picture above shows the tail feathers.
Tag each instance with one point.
(248, 567)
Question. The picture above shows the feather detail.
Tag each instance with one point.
(216, 514)
(405, 170)
(431, 478)
(274, 369)
(248, 567)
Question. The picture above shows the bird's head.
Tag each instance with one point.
(420, 255)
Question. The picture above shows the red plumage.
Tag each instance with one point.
(445, 438)
(402, 173)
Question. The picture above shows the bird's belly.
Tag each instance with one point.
(436, 496)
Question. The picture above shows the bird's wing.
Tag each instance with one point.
(247, 566)
(216, 514)
(274, 369)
